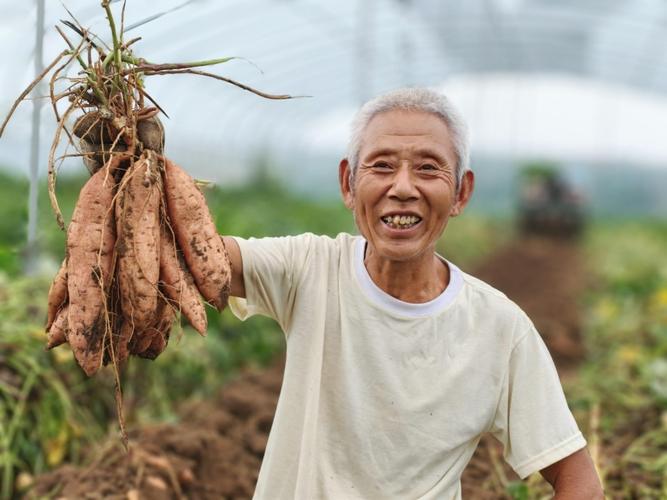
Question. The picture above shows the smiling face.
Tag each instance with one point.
(405, 184)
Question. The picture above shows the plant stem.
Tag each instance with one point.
(114, 35)
(150, 72)
(144, 65)
(72, 48)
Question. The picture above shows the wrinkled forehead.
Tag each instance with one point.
(414, 132)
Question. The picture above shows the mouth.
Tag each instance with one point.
(401, 221)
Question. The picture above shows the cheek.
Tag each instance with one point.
(363, 199)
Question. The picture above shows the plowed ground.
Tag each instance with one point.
(216, 450)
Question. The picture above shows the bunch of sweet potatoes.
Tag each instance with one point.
(141, 248)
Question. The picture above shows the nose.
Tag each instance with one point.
(403, 184)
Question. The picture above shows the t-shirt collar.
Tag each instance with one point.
(386, 301)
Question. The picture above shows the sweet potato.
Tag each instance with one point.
(178, 284)
(158, 333)
(90, 242)
(196, 235)
(56, 332)
(137, 246)
(141, 341)
(157, 346)
(57, 294)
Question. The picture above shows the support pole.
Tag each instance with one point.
(32, 249)
(364, 42)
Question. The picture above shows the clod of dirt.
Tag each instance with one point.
(95, 129)
(96, 155)
(151, 134)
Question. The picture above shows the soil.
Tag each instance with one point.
(216, 450)
(213, 453)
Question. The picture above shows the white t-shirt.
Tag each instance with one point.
(387, 399)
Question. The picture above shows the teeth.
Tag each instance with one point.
(401, 220)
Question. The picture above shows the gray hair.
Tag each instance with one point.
(412, 99)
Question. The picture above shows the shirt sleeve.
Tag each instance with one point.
(270, 273)
(533, 421)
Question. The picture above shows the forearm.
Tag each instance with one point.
(574, 478)
(236, 263)
(592, 492)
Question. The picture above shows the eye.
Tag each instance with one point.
(428, 167)
(381, 165)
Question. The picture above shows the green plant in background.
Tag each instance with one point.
(626, 372)
(518, 490)
(42, 420)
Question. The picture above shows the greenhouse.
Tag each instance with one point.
(565, 104)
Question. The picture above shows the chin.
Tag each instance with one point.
(399, 252)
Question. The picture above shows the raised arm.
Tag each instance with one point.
(574, 478)
(238, 286)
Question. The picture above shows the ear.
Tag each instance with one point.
(464, 194)
(344, 181)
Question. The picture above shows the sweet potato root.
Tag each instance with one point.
(178, 284)
(197, 236)
(137, 246)
(90, 243)
(57, 294)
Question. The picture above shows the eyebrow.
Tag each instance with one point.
(425, 152)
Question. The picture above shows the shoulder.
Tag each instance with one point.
(299, 248)
(483, 289)
(320, 242)
(301, 239)
(493, 307)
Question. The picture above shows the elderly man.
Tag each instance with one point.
(397, 361)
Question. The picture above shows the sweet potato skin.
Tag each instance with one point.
(178, 284)
(90, 243)
(56, 332)
(57, 294)
(137, 248)
(196, 235)
(158, 333)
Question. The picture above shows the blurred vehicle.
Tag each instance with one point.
(548, 204)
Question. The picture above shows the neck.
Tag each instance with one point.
(417, 280)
